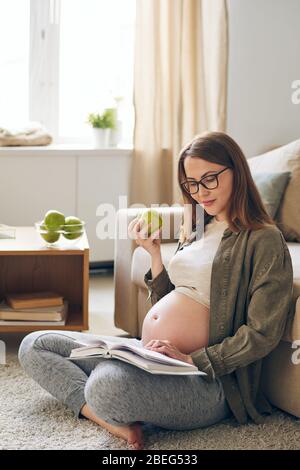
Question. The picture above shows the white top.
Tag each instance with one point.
(190, 268)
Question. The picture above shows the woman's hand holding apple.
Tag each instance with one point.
(139, 230)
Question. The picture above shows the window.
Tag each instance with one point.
(14, 62)
(96, 61)
(64, 59)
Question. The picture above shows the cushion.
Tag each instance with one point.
(279, 160)
(271, 187)
(29, 134)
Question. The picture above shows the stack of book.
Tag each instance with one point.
(36, 308)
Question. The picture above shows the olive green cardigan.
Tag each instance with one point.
(250, 299)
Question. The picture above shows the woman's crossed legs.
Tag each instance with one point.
(117, 393)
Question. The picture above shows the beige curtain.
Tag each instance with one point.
(180, 83)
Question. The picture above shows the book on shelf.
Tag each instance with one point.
(33, 316)
(34, 299)
(131, 350)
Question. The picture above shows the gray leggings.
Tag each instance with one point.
(118, 392)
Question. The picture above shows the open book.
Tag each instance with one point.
(131, 350)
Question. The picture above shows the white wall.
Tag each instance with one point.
(264, 60)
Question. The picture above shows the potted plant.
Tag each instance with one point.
(102, 124)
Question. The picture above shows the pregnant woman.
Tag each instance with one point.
(222, 305)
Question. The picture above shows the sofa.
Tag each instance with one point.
(281, 376)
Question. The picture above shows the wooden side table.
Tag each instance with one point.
(27, 265)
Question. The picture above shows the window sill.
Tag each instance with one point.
(65, 149)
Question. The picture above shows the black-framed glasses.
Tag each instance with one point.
(209, 182)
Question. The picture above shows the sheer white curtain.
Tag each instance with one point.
(180, 83)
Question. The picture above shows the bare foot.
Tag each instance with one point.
(131, 433)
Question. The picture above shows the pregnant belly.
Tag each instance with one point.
(179, 319)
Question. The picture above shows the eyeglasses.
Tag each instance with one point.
(209, 182)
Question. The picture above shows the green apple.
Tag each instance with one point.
(49, 236)
(153, 217)
(54, 220)
(73, 227)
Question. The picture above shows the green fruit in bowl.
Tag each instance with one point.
(73, 228)
(54, 220)
(48, 235)
(153, 217)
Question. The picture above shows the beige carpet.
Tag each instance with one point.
(30, 418)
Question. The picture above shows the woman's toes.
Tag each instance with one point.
(135, 436)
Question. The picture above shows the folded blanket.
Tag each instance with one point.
(32, 133)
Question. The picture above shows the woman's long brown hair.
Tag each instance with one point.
(246, 210)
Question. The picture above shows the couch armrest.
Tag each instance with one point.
(125, 291)
(292, 327)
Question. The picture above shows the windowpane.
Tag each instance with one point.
(96, 63)
(14, 62)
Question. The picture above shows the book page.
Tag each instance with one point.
(153, 355)
(110, 342)
(88, 351)
(156, 367)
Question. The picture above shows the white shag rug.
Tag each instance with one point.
(30, 418)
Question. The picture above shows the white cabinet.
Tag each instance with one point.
(101, 181)
(76, 182)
